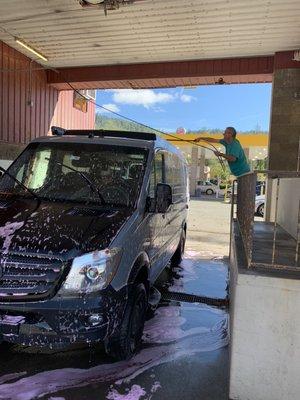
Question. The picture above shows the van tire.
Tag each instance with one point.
(209, 192)
(178, 255)
(128, 339)
(6, 346)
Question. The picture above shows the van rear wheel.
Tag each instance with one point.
(178, 255)
(127, 341)
(6, 346)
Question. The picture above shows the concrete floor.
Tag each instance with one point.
(285, 245)
(184, 353)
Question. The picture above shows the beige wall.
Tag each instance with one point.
(288, 205)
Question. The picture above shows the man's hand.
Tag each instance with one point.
(218, 154)
(227, 157)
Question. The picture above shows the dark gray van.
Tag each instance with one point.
(88, 220)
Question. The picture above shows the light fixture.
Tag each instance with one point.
(220, 81)
(29, 48)
(106, 4)
(296, 55)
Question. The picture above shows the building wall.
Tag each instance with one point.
(28, 105)
(67, 116)
(265, 333)
(288, 205)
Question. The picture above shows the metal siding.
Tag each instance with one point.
(151, 30)
(19, 122)
(67, 116)
(17, 105)
(4, 97)
(11, 89)
(22, 117)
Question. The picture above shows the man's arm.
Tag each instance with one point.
(206, 139)
(227, 157)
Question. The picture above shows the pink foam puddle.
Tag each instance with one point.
(12, 319)
(11, 377)
(166, 327)
(155, 387)
(189, 253)
(192, 253)
(135, 393)
(56, 398)
(187, 273)
(211, 275)
(172, 342)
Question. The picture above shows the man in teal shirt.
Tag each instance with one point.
(234, 154)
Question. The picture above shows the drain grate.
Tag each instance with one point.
(192, 298)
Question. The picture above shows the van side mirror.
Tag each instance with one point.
(163, 197)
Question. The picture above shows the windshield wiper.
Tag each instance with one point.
(90, 183)
(20, 183)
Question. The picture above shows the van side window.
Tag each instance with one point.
(38, 169)
(159, 168)
(175, 176)
(157, 175)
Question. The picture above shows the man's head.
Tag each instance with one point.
(229, 134)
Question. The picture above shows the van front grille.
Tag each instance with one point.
(24, 277)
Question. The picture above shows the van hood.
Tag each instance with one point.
(62, 229)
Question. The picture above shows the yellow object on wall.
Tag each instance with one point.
(245, 140)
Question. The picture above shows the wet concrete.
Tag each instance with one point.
(184, 353)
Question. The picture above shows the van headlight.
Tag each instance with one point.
(92, 271)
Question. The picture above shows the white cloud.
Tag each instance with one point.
(159, 110)
(109, 107)
(167, 130)
(141, 97)
(187, 98)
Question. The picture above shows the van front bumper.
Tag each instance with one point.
(59, 322)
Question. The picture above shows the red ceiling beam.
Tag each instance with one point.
(284, 60)
(166, 74)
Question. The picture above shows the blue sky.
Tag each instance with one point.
(245, 106)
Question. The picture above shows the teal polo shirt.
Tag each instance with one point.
(240, 165)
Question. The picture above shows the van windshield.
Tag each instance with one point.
(78, 172)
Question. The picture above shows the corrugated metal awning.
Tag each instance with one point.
(150, 30)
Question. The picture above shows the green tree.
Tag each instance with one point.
(216, 170)
(105, 122)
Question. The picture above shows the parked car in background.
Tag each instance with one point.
(207, 187)
(260, 188)
(211, 187)
(260, 205)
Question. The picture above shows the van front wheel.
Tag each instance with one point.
(126, 342)
(178, 255)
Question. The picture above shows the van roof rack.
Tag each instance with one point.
(58, 131)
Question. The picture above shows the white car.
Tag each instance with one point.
(260, 205)
(207, 187)
(210, 188)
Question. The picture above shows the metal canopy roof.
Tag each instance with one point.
(150, 30)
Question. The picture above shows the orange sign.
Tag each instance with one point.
(80, 102)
